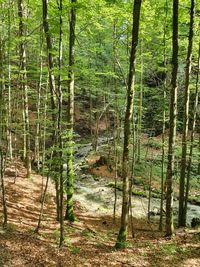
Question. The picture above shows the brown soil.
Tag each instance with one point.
(88, 242)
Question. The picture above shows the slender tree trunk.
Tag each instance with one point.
(139, 127)
(3, 140)
(181, 217)
(70, 116)
(60, 127)
(50, 60)
(150, 189)
(132, 173)
(4, 202)
(52, 92)
(24, 87)
(116, 126)
(172, 125)
(192, 137)
(122, 236)
(38, 122)
(9, 124)
(43, 164)
(163, 122)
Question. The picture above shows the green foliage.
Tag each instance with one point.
(153, 143)
(88, 233)
(173, 249)
(10, 228)
(74, 250)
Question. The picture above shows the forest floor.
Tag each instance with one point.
(89, 241)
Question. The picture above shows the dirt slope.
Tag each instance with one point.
(89, 241)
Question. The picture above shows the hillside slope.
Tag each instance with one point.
(89, 241)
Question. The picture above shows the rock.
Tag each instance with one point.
(195, 222)
(155, 211)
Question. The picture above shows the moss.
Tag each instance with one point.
(121, 239)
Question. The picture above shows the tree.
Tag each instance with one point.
(52, 88)
(3, 137)
(70, 114)
(172, 124)
(60, 141)
(163, 121)
(182, 217)
(24, 87)
(122, 236)
(192, 137)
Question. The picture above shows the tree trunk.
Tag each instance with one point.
(181, 217)
(3, 137)
(116, 121)
(43, 164)
(139, 126)
(9, 123)
(70, 116)
(122, 236)
(38, 122)
(172, 125)
(52, 92)
(192, 138)
(163, 122)
(60, 127)
(24, 88)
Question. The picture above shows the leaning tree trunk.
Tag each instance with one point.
(70, 115)
(181, 217)
(172, 124)
(122, 236)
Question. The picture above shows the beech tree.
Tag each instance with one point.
(172, 124)
(122, 236)
(70, 114)
(3, 138)
(52, 88)
(24, 86)
(182, 217)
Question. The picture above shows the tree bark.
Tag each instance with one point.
(192, 138)
(38, 122)
(122, 236)
(60, 7)
(172, 124)
(70, 115)
(52, 92)
(24, 87)
(9, 119)
(163, 122)
(181, 217)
